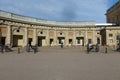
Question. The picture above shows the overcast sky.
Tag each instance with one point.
(60, 10)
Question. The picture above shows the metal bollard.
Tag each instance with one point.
(28, 49)
(18, 50)
(97, 47)
(34, 51)
(106, 50)
(87, 51)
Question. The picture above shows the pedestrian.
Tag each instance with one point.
(61, 44)
(88, 49)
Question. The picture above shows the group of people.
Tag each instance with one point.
(5, 48)
(95, 47)
(34, 48)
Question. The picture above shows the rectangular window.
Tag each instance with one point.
(110, 40)
(110, 35)
(117, 17)
(113, 20)
(118, 37)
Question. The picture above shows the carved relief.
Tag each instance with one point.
(60, 33)
(30, 32)
(41, 32)
(51, 33)
(89, 34)
(17, 31)
(70, 34)
(3, 29)
(79, 33)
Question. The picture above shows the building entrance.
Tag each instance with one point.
(98, 40)
(17, 40)
(80, 41)
(30, 41)
(3, 40)
(70, 42)
(41, 41)
(61, 40)
(51, 42)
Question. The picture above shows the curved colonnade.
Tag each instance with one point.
(18, 30)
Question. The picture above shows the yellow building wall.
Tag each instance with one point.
(43, 42)
(20, 42)
(89, 34)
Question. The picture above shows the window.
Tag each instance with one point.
(60, 33)
(117, 16)
(110, 40)
(118, 37)
(18, 30)
(110, 35)
(113, 20)
(98, 33)
(41, 32)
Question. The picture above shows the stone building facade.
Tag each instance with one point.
(111, 34)
(113, 14)
(17, 30)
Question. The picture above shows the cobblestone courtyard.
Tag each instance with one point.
(60, 64)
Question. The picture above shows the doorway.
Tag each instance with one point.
(17, 40)
(30, 41)
(61, 40)
(3, 40)
(98, 40)
(41, 41)
(80, 41)
(51, 42)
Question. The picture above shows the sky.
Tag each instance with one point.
(60, 10)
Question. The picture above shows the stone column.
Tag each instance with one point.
(66, 38)
(34, 37)
(74, 38)
(8, 36)
(93, 37)
(25, 37)
(86, 37)
(55, 37)
(47, 38)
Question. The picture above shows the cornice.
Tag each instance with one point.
(31, 20)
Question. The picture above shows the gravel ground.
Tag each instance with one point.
(60, 64)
